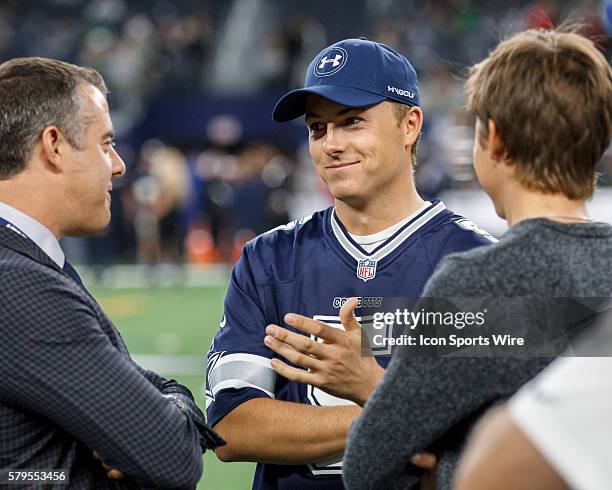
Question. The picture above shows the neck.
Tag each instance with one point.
(375, 216)
(522, 204)
(26, 196)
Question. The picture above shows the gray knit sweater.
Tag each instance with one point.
(430, 403)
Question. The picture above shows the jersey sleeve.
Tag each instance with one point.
(465, 235)
(239, 366)
(457, 235)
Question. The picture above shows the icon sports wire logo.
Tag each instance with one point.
(331, 62)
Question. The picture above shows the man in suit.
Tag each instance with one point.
(71, 397)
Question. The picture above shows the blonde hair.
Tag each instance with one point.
(550, 95)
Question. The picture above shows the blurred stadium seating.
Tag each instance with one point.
(193, 84)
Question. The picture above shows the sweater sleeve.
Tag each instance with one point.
(422, 399)
(418, 401)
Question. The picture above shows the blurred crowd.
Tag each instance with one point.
(199, 202)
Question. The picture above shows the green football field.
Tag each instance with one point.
(170, 329)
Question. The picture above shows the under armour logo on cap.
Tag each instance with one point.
(331, 62)
(335, 61)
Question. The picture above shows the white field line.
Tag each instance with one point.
(191, 365)
(162, 276)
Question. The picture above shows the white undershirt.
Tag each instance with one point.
(35, 231)
(370, 242)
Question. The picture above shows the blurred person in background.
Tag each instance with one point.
(263, 172)
(241, 193)
(160, 189)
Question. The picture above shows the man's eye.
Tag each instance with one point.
(351, 121)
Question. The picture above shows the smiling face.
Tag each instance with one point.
(362, 154)
(91, 170)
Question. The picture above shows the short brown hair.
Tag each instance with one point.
(550, 95)
(36, 93)
(399, 112)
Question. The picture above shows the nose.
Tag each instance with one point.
(118, 164)
(334, 142)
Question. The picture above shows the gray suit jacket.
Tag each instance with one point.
(69, 386)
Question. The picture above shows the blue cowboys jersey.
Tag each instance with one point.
(312, 266)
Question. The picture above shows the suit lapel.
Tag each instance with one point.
(24, 246)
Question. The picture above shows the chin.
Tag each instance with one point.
(343, 192)
(340, 193)
(352, 200)
(89, 228)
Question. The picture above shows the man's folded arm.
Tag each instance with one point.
(278, 432)
(182, 397)
(59, 364)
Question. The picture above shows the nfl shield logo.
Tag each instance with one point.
(366, 269)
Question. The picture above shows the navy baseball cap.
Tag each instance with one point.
(354, 73)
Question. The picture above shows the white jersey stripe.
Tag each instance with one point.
(236, 384)
(381, 253)
(242, 370)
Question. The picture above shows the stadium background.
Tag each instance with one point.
(192, 86)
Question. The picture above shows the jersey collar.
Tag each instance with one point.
(393, 242)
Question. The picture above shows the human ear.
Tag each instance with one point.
(53, 147)
(412, 125)
(495, 143)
